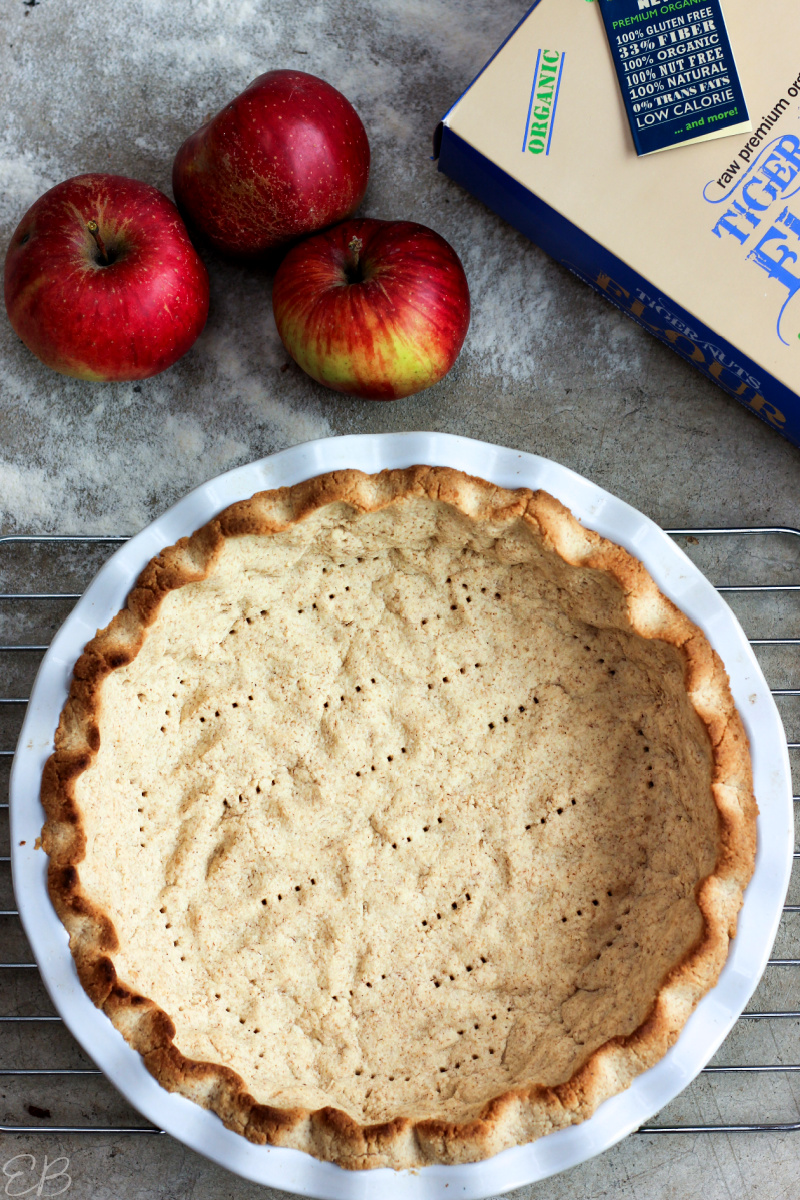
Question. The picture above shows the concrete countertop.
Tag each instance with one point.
(548, 367)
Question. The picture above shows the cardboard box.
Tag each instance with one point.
(700, 244)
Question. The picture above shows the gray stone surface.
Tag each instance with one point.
(547, 367)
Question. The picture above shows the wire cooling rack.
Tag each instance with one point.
(29, 616)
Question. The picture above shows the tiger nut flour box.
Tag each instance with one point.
(654, 149)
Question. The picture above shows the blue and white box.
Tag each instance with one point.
(699, 244)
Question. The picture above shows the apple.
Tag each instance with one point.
(379, 309)
(102, 281)
(285, 158)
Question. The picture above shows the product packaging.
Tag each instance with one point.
(700, 241)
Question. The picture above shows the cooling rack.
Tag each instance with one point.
(61, 558)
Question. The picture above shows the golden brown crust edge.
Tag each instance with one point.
(520, 1115)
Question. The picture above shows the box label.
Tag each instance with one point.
(676, 70)
(754, 212)
(545, 91)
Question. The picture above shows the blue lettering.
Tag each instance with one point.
(776, 266)
(779, 176)
(727, 222)
(748, 199)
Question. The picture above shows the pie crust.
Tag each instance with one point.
(398, 819)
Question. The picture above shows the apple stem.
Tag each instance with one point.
(354, 246)
(95, 232)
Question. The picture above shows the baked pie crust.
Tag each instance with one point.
(399, 818)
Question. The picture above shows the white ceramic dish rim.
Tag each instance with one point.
(677, 577)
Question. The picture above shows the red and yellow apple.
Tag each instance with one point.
(378, 309)
(102, 281)
(285, 158)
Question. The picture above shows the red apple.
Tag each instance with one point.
(102, 282)
(285, 158)
(379, 309)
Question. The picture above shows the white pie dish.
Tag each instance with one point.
(677, 578)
